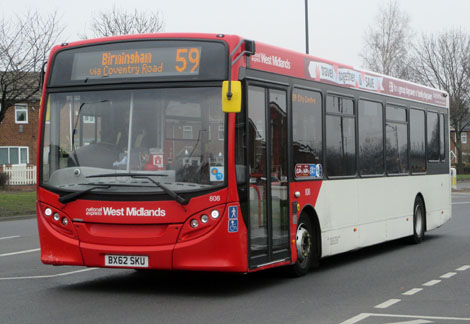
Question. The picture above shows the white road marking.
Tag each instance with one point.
(387, 304)
(448, 275)
(412, 291)
(463, 268)
(9, 237)
(431, 283)
(49, 276)
(418, 321)
(19, 252)
(362, 316)
(460, 203)
(356, 318)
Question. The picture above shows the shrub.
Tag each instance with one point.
(3, 180)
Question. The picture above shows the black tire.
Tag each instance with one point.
(306, 243)
(419, 221)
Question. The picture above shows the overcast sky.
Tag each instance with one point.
(336, 26)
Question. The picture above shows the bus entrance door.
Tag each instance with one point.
(268, 181)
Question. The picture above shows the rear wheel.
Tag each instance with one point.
(419, 214)
(305, 243)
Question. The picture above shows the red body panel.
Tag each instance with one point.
(56, 248)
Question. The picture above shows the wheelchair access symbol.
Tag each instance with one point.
(233, 219)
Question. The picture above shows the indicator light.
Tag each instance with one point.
(204, 219)
(48, 212)
(194, 223)
(215, 214)
(65, 221)
(56, 217)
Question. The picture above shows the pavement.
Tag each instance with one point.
(463, 185)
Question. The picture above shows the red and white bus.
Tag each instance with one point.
(216, 153)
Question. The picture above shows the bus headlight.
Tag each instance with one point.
(201, 223)
(204, 218)
(48, 212)
(194, 223)
(215, 214)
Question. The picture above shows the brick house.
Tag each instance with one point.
(18, 133)
(465, 138)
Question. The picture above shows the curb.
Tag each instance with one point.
(17, 217)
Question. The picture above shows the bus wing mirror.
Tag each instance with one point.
(232, 96)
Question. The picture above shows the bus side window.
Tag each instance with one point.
(340, 137)
(417, 141)
(307, 132)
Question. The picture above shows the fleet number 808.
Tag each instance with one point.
(214, 198)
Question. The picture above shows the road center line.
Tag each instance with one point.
(356, 318)
(388, 303)
(19, 252)
(448, 275)
(49, 276)
(412, 291)
(362, 316)
(9, 237)
(431, 283)
(463, 268)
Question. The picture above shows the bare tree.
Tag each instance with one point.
(121, 22)
(443, 62)
(25, 42)
(387, 42)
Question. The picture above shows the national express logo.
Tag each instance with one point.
(271, 60)
(128, 211)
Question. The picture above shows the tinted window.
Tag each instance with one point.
(396, 140)
(370, 138)
(396, 113)
(307, 129)
(339, 105)
(417, 141)
(441, 138)
(433, 136)
(340, 138)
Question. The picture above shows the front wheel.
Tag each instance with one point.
(306, 247)
(419, 221)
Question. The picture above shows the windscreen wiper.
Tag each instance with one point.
(75, 195)
(181, 200)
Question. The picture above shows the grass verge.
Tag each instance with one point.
(461, 177)
(13, 203)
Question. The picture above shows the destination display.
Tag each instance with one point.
(137, 61)
(133, 63)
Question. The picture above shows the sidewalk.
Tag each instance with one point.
(462, 185)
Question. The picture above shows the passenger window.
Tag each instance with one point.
(371, 150)
(340, 137)
(417, 141)
(307, 134)
(396, 140)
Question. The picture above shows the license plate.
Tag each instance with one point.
(131, 261)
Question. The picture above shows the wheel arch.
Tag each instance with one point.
(313, 217)
(421, 196)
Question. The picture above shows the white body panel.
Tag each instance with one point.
(355, 213)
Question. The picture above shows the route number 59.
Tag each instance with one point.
(183, 55)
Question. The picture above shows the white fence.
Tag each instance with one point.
(20, 174)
